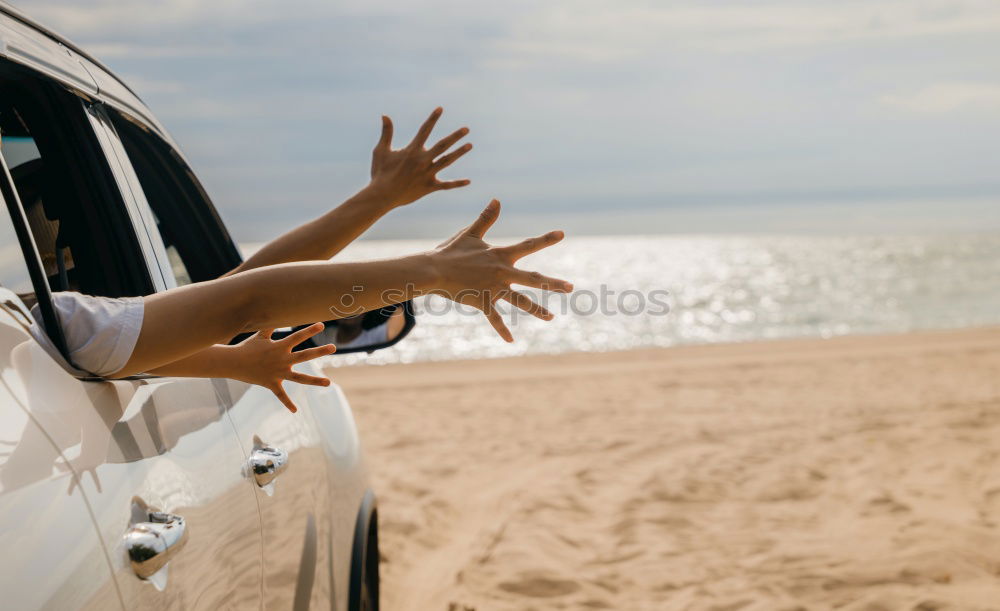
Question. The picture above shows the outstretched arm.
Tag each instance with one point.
(256, 360)
(182, 321)
(398, 177)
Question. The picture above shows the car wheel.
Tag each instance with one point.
(369, 575)
(364, 589)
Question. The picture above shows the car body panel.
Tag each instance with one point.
(294, 508)
(166, 441)
(308, 518)
(51, 551)
(348, 478)
(21, 43)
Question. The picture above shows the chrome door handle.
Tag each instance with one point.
(266, 463)
(152, 540)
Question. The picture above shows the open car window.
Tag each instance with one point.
(74, 207)
(20, 267)
(15, 273)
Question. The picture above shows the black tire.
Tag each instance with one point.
(370, 576)
(364, 587)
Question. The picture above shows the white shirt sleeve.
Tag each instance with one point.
(100, 332)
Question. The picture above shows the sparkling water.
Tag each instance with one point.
(642, 291)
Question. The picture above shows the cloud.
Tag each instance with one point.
(573, 103)
(620, 29)
(101, 17)
(583, 29)
(948, 97)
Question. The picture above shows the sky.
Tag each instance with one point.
(622, 116)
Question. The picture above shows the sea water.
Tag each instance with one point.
(644, 291)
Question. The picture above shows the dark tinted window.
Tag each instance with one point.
(197, 243)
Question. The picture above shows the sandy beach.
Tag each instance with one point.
(851, 473)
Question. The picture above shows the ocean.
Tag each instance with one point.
(646, 291)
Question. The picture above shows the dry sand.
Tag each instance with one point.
(854, 473)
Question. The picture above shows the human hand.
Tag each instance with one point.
(477, 274)
(268, 363)
(402, 176)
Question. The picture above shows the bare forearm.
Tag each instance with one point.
(299, 293)
(212, 362)
(183, 321)
(322, 238)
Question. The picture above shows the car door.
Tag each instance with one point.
(156, 459)
(144, 452)
(287, 452)
(53, 557)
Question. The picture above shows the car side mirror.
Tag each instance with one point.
(366, 332)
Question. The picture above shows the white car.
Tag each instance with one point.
(147, 493)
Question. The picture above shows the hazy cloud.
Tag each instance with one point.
(949, 97)
(576, 106)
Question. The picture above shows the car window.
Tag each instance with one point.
(28, 172)
(198, 246)
(177, 266)
(14, 271)
(74, 208)
(20, 271)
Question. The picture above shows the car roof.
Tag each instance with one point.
(105, 84)
(16, 13)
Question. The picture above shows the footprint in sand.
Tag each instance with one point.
(539, 586)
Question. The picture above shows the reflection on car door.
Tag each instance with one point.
(53, 558)
(165, 443)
